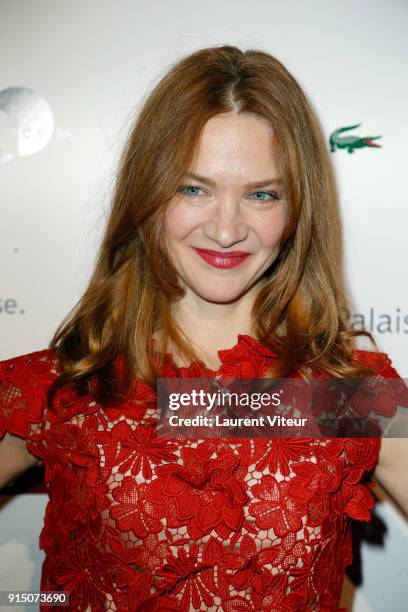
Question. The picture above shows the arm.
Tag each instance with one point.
(14, 458)
(391, 471)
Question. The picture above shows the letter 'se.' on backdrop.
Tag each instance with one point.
(72, 76)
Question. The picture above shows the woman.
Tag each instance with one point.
(220, 258)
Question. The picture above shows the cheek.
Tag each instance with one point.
(271, 229)
(180, 221)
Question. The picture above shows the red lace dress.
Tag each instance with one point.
(136, 523)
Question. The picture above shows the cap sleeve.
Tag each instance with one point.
(380, 362)
(24, 381)
(361, 454)
(394, 394)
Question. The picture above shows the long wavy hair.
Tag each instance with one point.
(134, 282)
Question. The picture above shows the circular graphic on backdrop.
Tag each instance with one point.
(26, 123)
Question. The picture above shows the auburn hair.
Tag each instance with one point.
(133, 282)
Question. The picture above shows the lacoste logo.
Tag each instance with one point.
(351, 142)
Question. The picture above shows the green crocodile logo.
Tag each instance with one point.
(351, 142)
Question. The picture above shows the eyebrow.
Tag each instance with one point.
(261, 183)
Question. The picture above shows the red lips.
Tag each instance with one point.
(220, 259)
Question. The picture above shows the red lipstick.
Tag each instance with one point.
(220, 259)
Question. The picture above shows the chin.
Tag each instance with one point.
(220, 297)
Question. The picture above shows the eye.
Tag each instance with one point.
(265, 196)
(190, 190)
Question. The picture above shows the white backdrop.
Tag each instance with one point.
(72, 76)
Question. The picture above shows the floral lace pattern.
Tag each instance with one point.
(135, 522)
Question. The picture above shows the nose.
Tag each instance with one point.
(225, 226)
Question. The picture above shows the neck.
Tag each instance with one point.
(213, 326)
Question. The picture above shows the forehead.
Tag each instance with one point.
(241, 143)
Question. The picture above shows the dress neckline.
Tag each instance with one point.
(248, 357)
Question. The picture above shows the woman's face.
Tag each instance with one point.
(224, 224)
